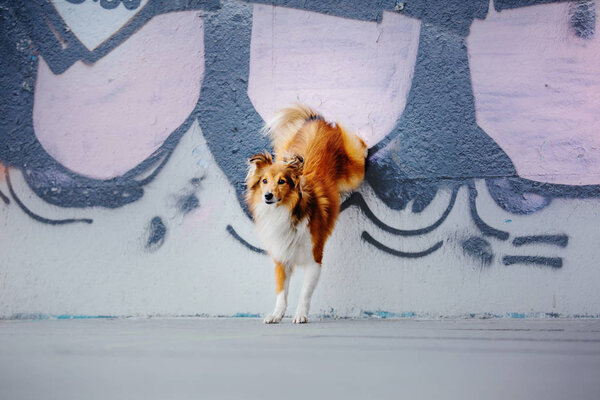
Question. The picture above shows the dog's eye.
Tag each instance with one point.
(281, 182)
(264, 181)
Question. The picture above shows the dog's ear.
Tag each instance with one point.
(260, 160)
(255, 163)
(295, 163)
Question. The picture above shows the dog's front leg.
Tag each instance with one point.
(311, 277)
(282, 283)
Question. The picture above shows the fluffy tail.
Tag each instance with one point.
(286, 122)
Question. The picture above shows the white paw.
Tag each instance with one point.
(300, 319)
(272, 319)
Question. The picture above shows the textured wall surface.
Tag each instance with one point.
(125, 126)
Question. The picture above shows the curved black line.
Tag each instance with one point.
(5, 199)
(356, 199)
(233, 233)
(40, 218)
(368, 238)
(554, 262)
(557, 240)
(169, 152)
(483, 227)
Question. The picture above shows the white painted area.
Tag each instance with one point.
(537, 91)
(105, 269)
(93, 24)
(355, 72)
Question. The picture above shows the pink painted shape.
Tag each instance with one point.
(356, 72)
(537, 92)
(102, 120)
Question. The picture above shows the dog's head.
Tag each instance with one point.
(273, 182)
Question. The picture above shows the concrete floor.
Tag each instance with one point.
(338, 359)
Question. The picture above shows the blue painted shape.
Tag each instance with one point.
(229, 122)
(188, 203)
(583, 18)
(237, 237)
(157, 234)
(478, 248)
(507, 194)
(556, 240)
(356, 199)
(437, 137)
(554, 262)
(405, 254)
(485, 229)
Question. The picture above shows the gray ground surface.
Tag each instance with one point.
(337, 359)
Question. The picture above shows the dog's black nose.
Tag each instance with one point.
(268, 196)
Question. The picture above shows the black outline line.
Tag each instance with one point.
(5, 199)
(368, 238)
(557, 240)
(554, 262)
(38, 217)
(486, 229)
(233, 233)
(356, 199)
(111, 4)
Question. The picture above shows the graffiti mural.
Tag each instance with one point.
(484, 109)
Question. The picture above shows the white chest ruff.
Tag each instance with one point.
(286, 243)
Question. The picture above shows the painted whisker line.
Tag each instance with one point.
(356, 199)
(38, 217)
(5, 199)
(233, 233)
(161, 163)
(368, 238)
(483, 227)
(557, 240)
(554, 262)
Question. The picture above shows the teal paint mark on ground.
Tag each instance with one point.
(69, 316)
(246, 315)
(387, 314)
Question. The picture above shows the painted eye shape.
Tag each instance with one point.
(281, 182)
(264, 181)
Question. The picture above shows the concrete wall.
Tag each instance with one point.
(125, 126)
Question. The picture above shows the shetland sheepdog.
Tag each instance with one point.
(295, 197)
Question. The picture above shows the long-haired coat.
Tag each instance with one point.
(295, 198)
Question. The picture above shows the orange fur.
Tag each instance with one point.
(279, 277)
